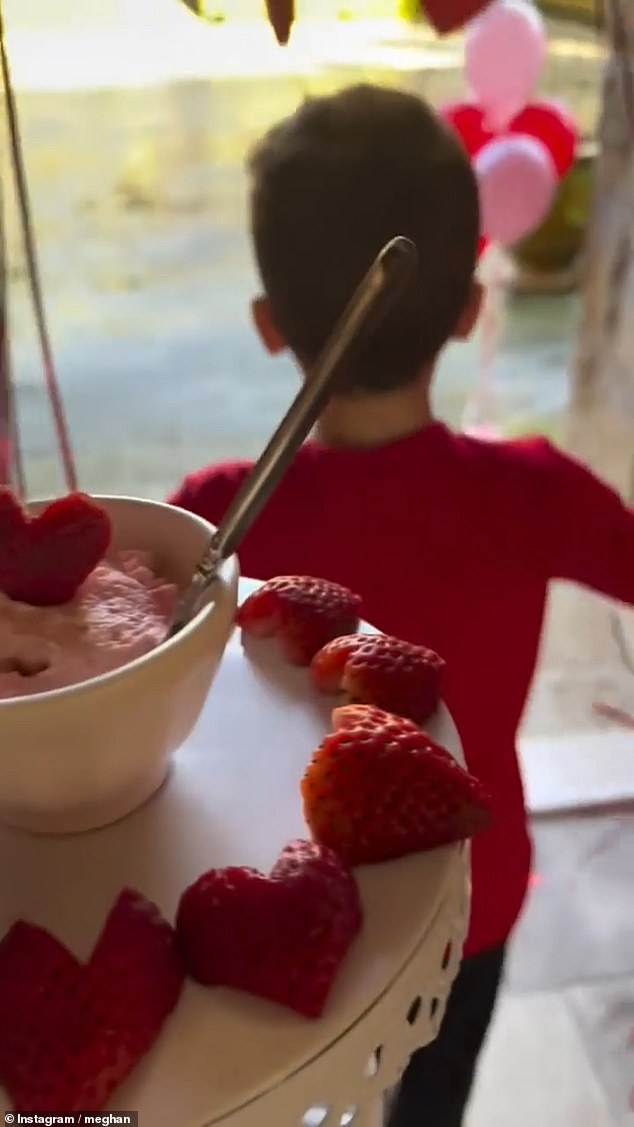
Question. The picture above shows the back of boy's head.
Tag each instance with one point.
(330, 186)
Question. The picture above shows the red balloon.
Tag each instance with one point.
(467, 120)
(554, 127)
(451, 15)
(482, 245)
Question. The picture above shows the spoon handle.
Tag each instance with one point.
(382, 284)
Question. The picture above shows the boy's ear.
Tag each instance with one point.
(265, 326)
(469, 316)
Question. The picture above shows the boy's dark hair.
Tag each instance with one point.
(330, 186)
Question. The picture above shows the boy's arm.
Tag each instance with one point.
(209, 492)
(590, 529)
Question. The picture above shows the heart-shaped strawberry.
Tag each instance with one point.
(451, 15)
(70, 1032)
(302, 612)
(282, 936)
(45, 559)
(380, 788)
(382, 670)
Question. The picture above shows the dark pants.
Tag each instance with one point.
(436, 1085)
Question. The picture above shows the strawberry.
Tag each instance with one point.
(374, 792)
(304, 613)
(70, 1032)
(45, 559)
(11, 513)
(328, 665)
(368, 716)
(378, 669)
(282, 936)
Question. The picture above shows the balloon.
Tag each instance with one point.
(546, 121)
(505, 50)
(554, 127)
(281, 15)
(517, 180)
(451, 15)
(467, 120)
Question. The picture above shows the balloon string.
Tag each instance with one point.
(480, 408)
(52, 385)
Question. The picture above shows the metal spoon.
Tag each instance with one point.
(384, 281)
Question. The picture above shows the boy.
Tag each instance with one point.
(450, 541)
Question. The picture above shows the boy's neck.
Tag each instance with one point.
(376, 419)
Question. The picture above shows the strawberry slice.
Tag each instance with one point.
(368, 716)
(45, 559)
(282, 936)
(378, 669)
(374, 792)
(37, 977)
(329, 665)
(302, 612)
(70, 1032)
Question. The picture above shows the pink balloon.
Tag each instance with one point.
(505, 49)
(517, 180)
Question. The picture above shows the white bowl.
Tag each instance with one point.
(84, 756)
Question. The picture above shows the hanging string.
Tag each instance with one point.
(19, 477)
(11, 466)
(24, 205)
(6, 437)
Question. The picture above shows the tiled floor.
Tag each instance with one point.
(535, 1072)
(578, 770)
(605, 1016)
(561, 1050)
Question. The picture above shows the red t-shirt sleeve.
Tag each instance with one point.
(209, 492)
(589, 529)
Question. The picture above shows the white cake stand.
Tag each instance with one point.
(233, 798)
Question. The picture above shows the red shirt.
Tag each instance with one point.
(451, 541)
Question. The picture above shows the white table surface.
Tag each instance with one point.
(232, 798)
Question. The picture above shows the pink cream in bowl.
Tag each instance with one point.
(119, 613)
